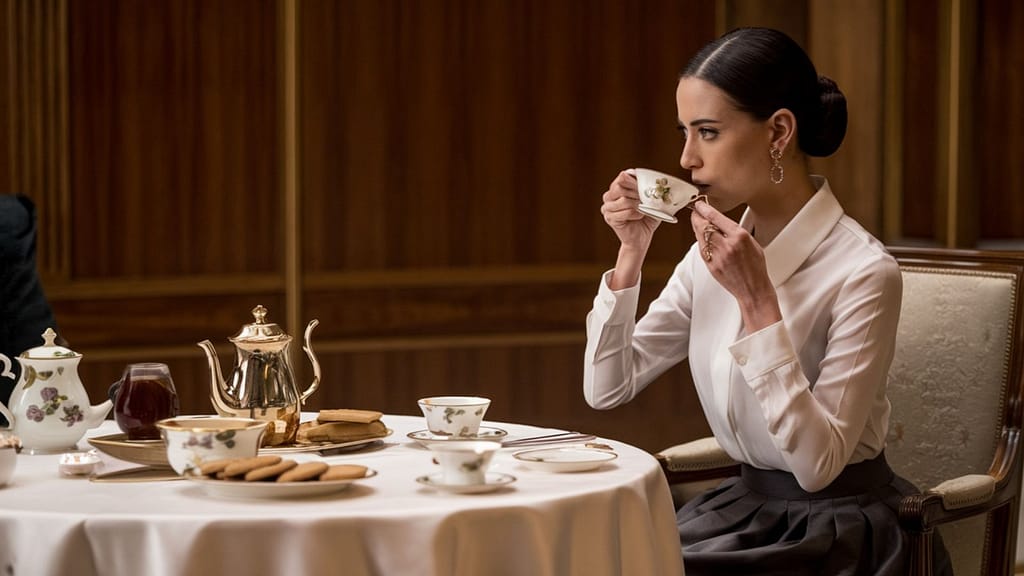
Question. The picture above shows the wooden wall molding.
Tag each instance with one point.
(122, 288)
(38, 135)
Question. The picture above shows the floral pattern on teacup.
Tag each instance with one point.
(52, 400)
(472, 465)
(204, 441)
(449, 412)
(227, 438)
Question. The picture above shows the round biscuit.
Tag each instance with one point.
(243, 465)
(270, 472)
(213, 466)
(304, 471)
(344, 472)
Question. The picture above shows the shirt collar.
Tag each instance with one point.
(802, 235)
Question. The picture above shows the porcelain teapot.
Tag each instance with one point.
(261, 384)
(49, 407)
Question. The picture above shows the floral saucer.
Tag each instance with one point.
(494, 480)
(426, 437)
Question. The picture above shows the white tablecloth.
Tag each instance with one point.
(617, 520)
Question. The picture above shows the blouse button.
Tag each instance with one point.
(741, 360)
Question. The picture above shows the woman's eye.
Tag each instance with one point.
(707, 133)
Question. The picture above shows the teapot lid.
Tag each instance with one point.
(49, 349)
(260, 330)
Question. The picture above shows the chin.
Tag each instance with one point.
(723, 205)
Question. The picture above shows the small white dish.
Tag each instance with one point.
(657, 214)
(78, 463)
(494, 481)
(426, 437)
(242, 489)
(564, 459)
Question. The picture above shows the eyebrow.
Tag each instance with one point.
(698, 122)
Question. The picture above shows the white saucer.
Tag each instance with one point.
(426, 437)
(494, 480)
(657, 214)
(564, 459)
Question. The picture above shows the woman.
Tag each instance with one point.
(24, 311)
(788, 319)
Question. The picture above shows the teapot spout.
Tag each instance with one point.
(95, 415)
(216, 380)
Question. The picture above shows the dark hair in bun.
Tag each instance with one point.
(764, 70)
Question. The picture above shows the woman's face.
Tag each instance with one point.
(724, 148)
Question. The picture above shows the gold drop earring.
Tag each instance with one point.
(776, 172)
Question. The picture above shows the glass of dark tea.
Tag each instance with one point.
(144, 394)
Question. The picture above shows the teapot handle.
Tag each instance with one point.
(7, 414)
(112, 391)
(7, 367)
(308, 349)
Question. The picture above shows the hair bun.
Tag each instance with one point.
(829, 128)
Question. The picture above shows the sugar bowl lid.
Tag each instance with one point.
(260, 331)
(49, 349)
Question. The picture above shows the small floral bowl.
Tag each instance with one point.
(194, 440)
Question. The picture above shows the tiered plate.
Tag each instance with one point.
(154, 452)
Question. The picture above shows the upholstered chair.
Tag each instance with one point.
(955, 388)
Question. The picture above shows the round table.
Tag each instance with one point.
(615, 520)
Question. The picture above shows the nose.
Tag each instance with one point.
(689, 159)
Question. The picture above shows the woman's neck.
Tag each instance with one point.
(771, 213)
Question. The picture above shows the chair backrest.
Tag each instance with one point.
(955, 382)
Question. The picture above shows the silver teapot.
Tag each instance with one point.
(261, 384)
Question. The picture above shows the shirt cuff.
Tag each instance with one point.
(763, 351)
(616, 306)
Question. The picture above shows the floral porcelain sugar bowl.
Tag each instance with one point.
(49, 407)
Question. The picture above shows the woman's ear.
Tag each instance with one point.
(782, 125)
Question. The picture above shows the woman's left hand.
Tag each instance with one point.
(737, 261)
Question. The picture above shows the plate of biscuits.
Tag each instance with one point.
(271, 476)
(325, 446)
(334, 431)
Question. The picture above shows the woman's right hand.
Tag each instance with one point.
(633, 228)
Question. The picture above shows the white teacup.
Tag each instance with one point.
(464, 462)
(661, 195)
(454, 415)
(194, 440)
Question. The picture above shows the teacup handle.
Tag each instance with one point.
(7, 367)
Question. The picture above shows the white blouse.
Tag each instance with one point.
(806, 394)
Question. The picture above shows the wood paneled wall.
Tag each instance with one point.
(422, 177)
(998, 106)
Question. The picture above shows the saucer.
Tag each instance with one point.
(494, 480)
(564, 459)
(657, 214)
(145, 452)
(426, 437)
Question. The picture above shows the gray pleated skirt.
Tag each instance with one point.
(763, 523)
